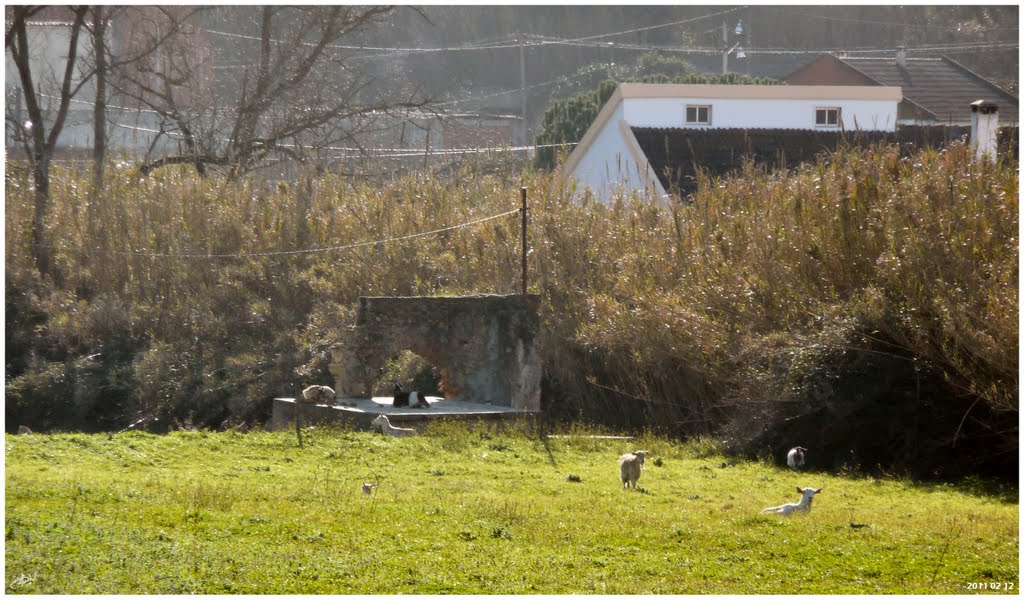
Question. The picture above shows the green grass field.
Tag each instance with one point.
(475, 511)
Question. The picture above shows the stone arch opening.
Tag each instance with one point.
(414, 371)
(484, 346)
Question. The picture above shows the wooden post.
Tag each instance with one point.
(523, 190)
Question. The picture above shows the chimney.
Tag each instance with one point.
(984, 128)
(901, 57)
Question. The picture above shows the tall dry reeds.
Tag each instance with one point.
(768, 306)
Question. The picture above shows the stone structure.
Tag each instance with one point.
(485, 346)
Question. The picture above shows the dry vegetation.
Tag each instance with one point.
(867, 293)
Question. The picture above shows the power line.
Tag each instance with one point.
(672, 24)
(389, 50)
(311, 250)
(498, 43)
(718, 50)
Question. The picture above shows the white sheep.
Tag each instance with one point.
(368, 488)
(795, 458)
(630, 465)
(806, 498)
(318, 394)
(383, 425)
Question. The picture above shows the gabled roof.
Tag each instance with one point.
(940, 86)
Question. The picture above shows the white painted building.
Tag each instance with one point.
(609, 160)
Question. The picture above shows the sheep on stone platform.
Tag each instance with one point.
(317, 394)
(414, 399)
(630, 466)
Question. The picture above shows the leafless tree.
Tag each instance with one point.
(146, 31)
(292, 91)
(46, 114)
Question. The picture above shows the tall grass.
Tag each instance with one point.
(860, 290)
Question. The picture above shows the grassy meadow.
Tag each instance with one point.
(475, 510)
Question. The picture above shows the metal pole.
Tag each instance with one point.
(750, 43)
(523, 190)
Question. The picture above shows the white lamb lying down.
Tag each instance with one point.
(630, 465)
(383, 425)
(317, 394)
(806, 498)
(795, 458)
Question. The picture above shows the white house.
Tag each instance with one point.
(609, 159)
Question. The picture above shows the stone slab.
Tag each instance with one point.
(366, 409)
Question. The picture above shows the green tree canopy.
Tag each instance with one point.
(567, 120)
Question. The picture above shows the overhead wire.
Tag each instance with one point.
(672, 24)
(316, 250)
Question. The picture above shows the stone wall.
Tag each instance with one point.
(484, 346)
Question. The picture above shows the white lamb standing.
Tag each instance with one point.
(806, 498)
(630, 466)
(318, 394)
(383, 425)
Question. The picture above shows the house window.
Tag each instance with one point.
(827, 117)
(698, 115)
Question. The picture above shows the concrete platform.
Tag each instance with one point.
(361, 411)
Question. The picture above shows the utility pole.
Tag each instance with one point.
(725, 48)
(750, 43)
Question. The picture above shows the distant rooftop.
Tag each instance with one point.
(940, 87)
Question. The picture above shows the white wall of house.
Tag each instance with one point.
(608, 159)
(610, 165)
(761, 113)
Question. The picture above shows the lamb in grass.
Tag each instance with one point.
(806, 498)
(630, 465)
(383, 425)
(317, 394)
(795, 458)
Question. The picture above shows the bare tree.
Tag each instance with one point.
(296, 91)
(146, 31)
(39, 134)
